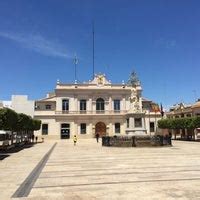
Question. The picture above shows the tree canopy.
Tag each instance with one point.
(12, 121)
(8, 119)
(179, 123)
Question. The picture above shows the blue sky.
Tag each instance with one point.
(159, 39)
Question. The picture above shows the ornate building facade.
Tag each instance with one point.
(97, 106)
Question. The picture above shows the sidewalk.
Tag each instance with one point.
(90, 171)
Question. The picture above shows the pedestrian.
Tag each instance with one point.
(36, 139)
(97, 137)
(33, 137)
(75, 140)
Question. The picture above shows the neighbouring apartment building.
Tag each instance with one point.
(20, 104)
(96, 106)
(182, 110)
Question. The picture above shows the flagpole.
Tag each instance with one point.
(75, 67)
(155, 123)
(161, 110)
(75, 72)
(93, 47)
(149, 124)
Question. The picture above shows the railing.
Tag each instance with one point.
(95, 112)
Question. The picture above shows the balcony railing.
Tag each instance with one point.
(95, 112)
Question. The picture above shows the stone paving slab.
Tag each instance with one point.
(15, 168)
(90, 171)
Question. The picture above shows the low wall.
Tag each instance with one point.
(136, 141)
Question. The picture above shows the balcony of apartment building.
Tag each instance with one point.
(45, 108)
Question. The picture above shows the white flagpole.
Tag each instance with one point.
(75, 67)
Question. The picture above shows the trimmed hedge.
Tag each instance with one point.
(179, 123)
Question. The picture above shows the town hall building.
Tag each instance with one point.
(96, 106)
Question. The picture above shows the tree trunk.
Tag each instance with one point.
(193, 134)
(11, 137)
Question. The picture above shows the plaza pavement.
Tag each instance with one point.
(89, 171)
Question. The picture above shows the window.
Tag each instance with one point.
(65, 104)
(37, 107)
(83, 128)
(116, 105)
(48, 107)
(44, 129)
(152, 127)
(100, 104)
(65, 125)
(83, 105)
(138, 122)
(117, 127)
(127, 123)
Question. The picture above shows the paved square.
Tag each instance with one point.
(90, 171)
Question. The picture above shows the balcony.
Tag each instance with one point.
(79, 113)
(95, 112)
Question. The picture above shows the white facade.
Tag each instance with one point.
(95, 106)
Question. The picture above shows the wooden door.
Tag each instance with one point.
(100, 129)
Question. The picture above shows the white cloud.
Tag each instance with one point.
(38, 44)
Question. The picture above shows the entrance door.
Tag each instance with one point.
(100, 128)
(65, 131)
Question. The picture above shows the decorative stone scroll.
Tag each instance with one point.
(134, 100)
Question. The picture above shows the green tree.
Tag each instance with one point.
(36, 124)
(1, 119)
(165, 124)
(196, 122)
(23, 120)
(8, 120)
(189, 123)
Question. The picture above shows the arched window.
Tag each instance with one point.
(100, 104)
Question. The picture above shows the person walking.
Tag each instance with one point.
(36, 138)
(97, 137)
(75, 140)
(33, 137)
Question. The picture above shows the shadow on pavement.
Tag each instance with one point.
(7, 152)
(3, 156)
